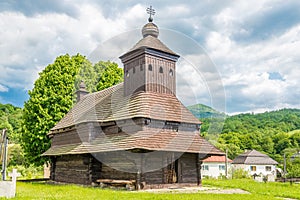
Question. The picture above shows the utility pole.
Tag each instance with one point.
(1, 143)
(284, 167)
(4, 155)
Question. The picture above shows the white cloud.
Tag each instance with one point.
(235, 35)
(3, 88)
(27, 43)
(244, 67)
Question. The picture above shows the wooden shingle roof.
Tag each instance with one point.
(111, 105)
(254, 157)
(150, 139)
(150, 42)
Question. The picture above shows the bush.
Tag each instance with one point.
(30, 172)
(16, 155)
(293, 169)
(240, 173)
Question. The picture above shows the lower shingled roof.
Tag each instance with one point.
(152, 140)
(111, 105)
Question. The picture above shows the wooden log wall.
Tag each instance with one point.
(85, 169)
(72, 169)
(117, 165)
(189, 168)
(69, 137)
(153, 177)
(95, 168)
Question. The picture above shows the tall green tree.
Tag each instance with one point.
(53, 96)
(110, 74)
(50, 99)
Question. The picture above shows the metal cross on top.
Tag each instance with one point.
(151, 12)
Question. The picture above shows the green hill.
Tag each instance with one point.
(202, 111)
(275, 132)
(10, 118)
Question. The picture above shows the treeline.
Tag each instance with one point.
(10, 118)
(275, 133)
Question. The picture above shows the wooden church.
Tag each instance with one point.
(136, 131)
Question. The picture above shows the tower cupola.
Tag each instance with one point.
(150, 65)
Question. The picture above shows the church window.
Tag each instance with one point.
(150, 67)
(141, 67)
(161, 70)
(127, 73)
(171, 72)
(133, 70)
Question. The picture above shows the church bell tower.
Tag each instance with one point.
(150, 65)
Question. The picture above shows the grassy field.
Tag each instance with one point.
(257, 190)
(270, 189)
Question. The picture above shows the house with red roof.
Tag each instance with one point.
(215, 166)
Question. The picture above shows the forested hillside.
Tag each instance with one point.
(203, 111)
(274, 133)
(10, 118)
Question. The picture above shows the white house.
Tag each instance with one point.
(258, 165)
(215, 166)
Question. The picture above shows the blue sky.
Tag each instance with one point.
(245, 56)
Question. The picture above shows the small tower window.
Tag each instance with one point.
(161, 70)
(141, 67)
(133, 70)
(171, 72)
(127, 73)
(150, 67)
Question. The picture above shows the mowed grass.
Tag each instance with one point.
(269, 189)
(258, 191)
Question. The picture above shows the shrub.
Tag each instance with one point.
(240, 173)
(30, 172)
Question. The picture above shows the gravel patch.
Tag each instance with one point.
(209, 190)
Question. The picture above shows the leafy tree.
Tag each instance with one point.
(293, 168)
(295, 139)
(87, 73)
(16, 155)
(267, 144)
(110, 74)
(10, 118)
(50, 99)
(53, 96)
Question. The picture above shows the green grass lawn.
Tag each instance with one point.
(257, 190)
(270, 189)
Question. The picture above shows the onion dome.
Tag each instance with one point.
(150, 29)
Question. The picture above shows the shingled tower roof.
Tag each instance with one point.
(150, 40)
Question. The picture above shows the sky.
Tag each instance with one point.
(236, 56)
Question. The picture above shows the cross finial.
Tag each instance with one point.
(151, 12)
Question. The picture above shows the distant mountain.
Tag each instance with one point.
(202, 111)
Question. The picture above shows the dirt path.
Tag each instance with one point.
(211, 190)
